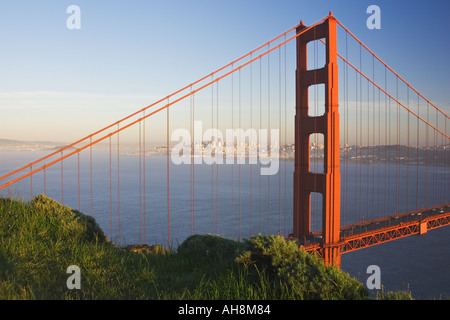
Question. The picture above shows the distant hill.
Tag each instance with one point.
(19, 145)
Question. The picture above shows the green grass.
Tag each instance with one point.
(40, 239)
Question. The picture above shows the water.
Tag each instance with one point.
(417, 263)
(263, 205)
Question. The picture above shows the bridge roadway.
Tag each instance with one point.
(364, 234)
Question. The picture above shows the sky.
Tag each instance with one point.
(62, 84)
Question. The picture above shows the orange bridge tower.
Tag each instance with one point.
(327, 183)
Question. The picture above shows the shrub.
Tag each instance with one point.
(296, 273)
(75, 223)
(211, 246)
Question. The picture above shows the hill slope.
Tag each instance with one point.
(41, 239)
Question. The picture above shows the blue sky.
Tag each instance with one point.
(61, 84)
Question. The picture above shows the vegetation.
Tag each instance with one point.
(40, 239)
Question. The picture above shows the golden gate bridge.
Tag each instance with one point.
(361, 156)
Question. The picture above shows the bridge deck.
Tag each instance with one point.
(372, 232)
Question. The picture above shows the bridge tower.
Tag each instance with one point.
(327, 183)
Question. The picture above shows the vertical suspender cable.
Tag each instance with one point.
(193, 165)
(357, 148)
(269, 142)
(251, 146)
(79, 190)
(443, 149)
(360, 132)
(168, 182)
(408, 151)
(373, 139)
(347, 128)
(215, 150)
(31, 183)
(90, 173)
(259, 148)
(220, 154)
(239, 153)
(447, 186)
(426, 160)
(417, 156)
(118, 185)
(62, 180)
(233, 151)
(389, 159)
(45, 182)
(140, 185)
(379, 154)
(355, 209)
(398, 152)
(434, 167)
(368, 151)
(191, 125)
(285, 139)
(346, 142)
(110, 187)
(279, 138)
(144, 182)
(372, 146)
(386, 191)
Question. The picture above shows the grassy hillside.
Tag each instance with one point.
(41, 239)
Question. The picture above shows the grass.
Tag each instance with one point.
(40, 239)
